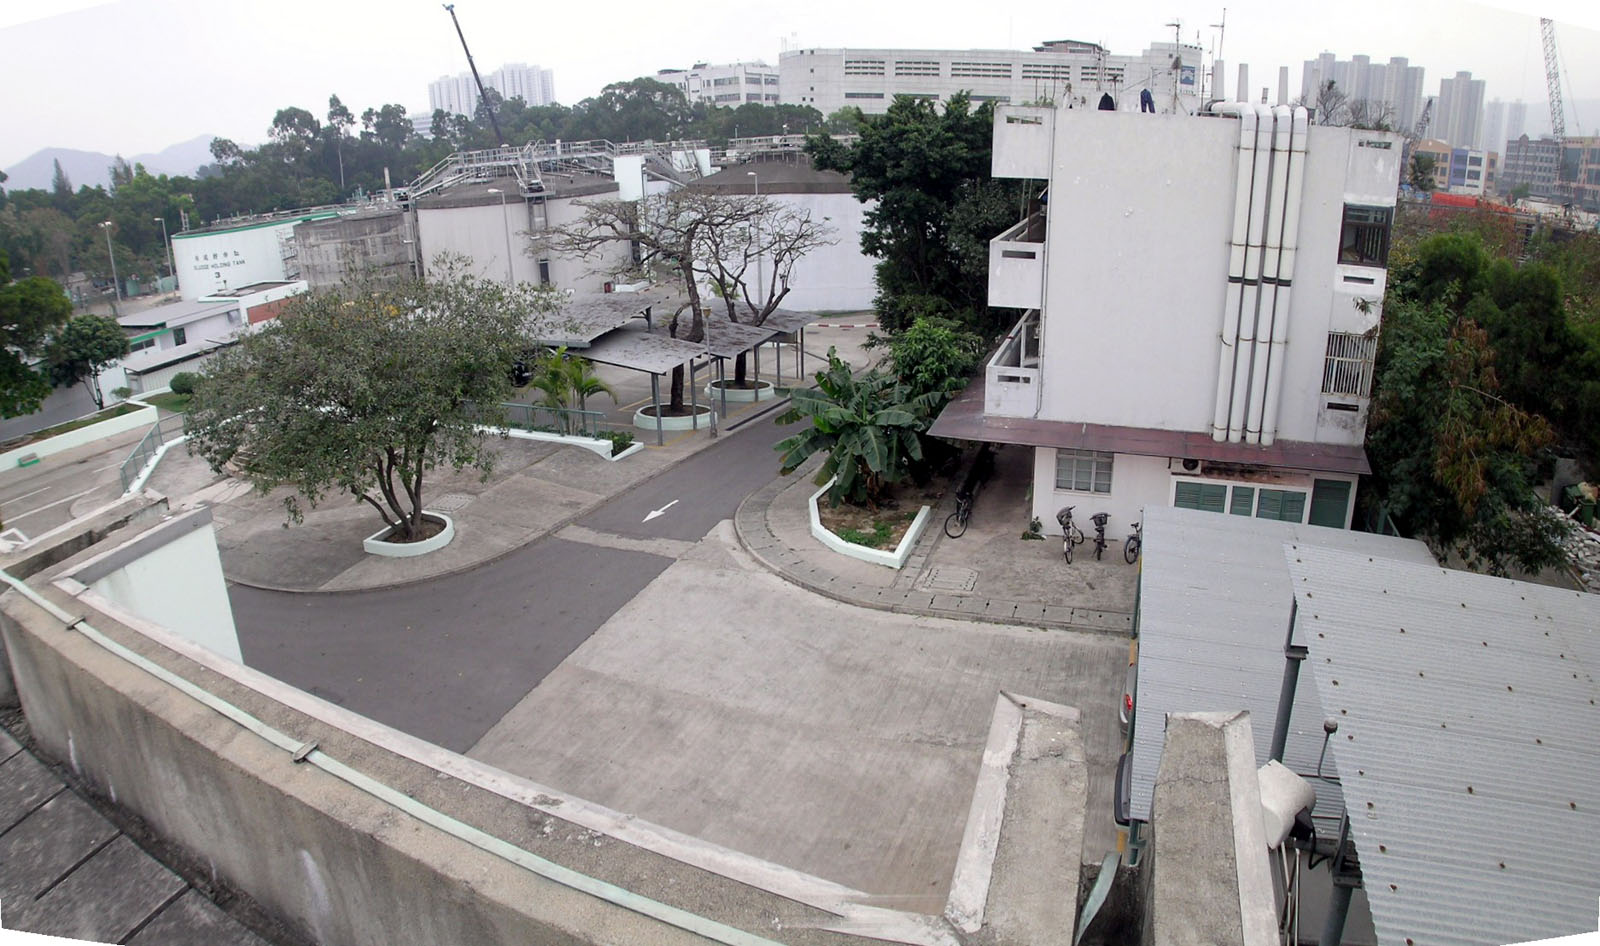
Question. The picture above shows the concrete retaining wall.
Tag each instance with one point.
(337, 865)
(77, 438)
(1206, 874)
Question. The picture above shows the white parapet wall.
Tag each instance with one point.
(894, 559)
(109, 427)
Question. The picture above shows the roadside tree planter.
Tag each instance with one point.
(379, 543)
(692, 419)
(890, 559)
(735, 391)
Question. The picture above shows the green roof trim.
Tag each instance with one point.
(149, 335)
(255, 226)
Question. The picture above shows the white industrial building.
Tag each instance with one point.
(1200, 298)
(728, 84)
(166, 339)
(494, 226)
(237, 253)
(836, 278)
(1067, 73)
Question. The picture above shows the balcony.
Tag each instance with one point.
(1011, 379)
(1016, 265)
(1022, 142)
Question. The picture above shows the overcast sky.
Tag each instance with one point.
(138, 75)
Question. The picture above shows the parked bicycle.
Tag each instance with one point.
(1130, 548)
(1071, 535)
(978, 473)
(1099, 519)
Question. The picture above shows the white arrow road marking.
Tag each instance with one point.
(660, 512)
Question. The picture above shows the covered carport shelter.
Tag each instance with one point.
(583, 319)
(653, 354)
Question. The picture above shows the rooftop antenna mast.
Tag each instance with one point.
(482, 96)
(1222, 31)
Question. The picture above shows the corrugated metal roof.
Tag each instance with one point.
(1214, 604)
(1469, 744)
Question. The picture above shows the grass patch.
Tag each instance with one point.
(49, 432)
(858, 526)
(169, 401)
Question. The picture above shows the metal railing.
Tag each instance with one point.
(557, 420)
(160, 432)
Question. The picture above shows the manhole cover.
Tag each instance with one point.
(449, 502)
(950, 578)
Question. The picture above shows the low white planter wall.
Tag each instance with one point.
(110, 427)
(375, 545)
(644, 421)
(763, 392)
(600, 447)
(894, 559)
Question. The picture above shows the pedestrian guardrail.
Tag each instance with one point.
(557, 420)
(160, 432)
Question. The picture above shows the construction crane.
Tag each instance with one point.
(482, 96)
(1552, 78)
(1417, 133)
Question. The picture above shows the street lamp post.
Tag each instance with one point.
(505, 225)
(116, 286)
(171, 270)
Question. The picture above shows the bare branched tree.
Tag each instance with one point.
(770, 243)
(696, 237)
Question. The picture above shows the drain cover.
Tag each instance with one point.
(449, 502)
(950, 578)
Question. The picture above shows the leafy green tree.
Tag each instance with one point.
(363, 390)
(934, 356)
(340, 121)
(61, 187)
(1420, 174)
(30, 310)
(1453, 461)
(868, 425)
(82, 348)
(927, 169)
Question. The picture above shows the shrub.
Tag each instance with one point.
(183, 382)
(620, 440)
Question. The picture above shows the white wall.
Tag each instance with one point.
(837, 278)
(479, 233)
(208, 262)
(1139, 482)
(1140, 216)
(179, 585)
(1136, 482)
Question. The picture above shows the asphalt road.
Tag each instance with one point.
(38, 498)
(444, 660)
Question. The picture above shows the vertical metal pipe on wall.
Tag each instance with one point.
(1291, 237)
(1229, 335)
(1250, 295)
(1272, 257)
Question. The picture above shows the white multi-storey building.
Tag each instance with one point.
(1458, 115)
(458, 95)
(729, 85)
(1201, 299)
(1166, 77)
(1396, 84)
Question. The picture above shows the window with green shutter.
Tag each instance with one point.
(1209, 497)
(1330, 500)
(1287, 505)
(1244, 499)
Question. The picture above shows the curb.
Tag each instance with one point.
(556, 527)
(842, 325)
(749, 524)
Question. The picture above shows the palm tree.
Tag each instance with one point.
(566, 380)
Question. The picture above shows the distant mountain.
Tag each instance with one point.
(92, 167)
